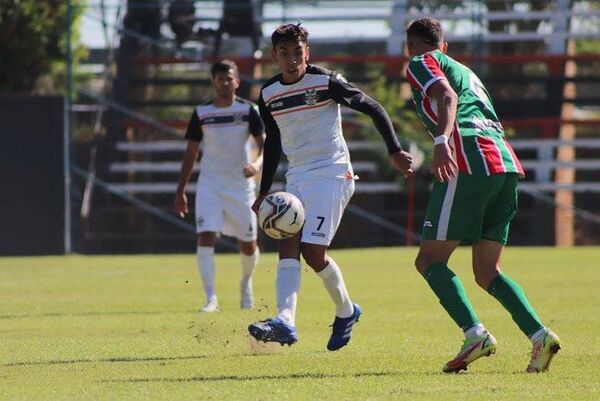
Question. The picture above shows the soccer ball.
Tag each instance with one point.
(281, 215)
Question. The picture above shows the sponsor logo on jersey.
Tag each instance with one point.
(276, 105)
(484, 123)
(310, 97)
(428, 223)
(317, 234)
(200, 221)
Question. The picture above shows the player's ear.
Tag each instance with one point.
(444, 48)
(409, 49)
(307, 54)
(273, 54)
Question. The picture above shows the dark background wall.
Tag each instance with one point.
(31, 175)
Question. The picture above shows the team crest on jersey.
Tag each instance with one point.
(310, 97)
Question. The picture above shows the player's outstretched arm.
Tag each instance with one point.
(402, 161)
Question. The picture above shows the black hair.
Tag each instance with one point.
(224, 66)
(427, 30)
(289, 33)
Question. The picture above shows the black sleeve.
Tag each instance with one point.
(194, 129)
(349, 95)
(255, 123)
(272, 149)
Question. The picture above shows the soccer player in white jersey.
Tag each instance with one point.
(225, 190)
(300, 107)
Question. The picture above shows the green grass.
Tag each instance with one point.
(125, 327)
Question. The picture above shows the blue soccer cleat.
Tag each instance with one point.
(342, 329)
(273, 330)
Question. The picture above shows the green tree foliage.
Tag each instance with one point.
(33, 44)
(589, 45)
(407, 124)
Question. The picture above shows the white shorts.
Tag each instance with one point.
(226, 211)
(324, 201)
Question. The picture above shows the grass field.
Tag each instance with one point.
(125, 327)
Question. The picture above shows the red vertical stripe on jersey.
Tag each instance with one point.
(515, 159)
(491, 154)
(461, 160)
(432, 65)
(429, 110)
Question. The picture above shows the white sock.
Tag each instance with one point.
(206, 268)
(538, 335)
(249, 263)
(475, 331)
(287, 286)
(334, 282)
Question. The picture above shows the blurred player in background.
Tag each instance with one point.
(225, 189)
(474, 196)
(300, 108)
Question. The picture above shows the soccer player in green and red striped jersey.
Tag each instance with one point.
(474, 196)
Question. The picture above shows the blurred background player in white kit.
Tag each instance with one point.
(301, 110)
(225, 190)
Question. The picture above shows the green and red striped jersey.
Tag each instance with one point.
(478, 139)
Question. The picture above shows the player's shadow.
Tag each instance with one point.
(85, 314)
(105, 360)
(306, 375)
(124, 359)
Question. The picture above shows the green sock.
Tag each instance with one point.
(451, 293)
(512, 297)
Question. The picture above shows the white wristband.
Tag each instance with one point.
(440, 139)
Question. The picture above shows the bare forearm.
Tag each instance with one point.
(187, 167)
(446, 105)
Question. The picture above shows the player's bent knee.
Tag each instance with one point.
(207, 238)
(422, 262)
(483, 278)
(247, 248)
(315, 258)
(481, 281)
(316, 263)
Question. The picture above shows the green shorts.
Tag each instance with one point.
(470, 208)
